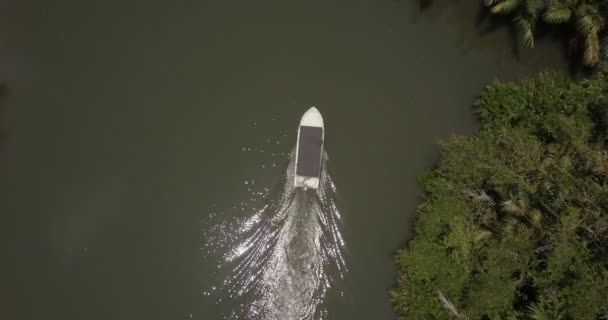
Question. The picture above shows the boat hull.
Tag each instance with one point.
(309, 150)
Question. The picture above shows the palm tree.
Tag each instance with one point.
(589, 23)
(525, 13)
(588, 17)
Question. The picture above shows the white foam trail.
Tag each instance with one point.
(285, 256)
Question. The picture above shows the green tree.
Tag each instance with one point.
(514, 224)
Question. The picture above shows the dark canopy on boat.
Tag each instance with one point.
(310, 147)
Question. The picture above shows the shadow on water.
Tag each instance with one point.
(487, 23)
(424, 4)
(472, 22)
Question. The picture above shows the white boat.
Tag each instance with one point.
(309, 150)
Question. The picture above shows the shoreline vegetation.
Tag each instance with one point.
(585, 20)
(514, 222)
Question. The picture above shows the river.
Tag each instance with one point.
(127, 124)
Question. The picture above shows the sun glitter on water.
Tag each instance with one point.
(280, 260)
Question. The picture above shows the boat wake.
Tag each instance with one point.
(283, 258)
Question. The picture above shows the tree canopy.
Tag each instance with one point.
(514, 223)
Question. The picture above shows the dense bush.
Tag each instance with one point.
(514, 224)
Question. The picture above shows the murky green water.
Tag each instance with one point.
(125, 121)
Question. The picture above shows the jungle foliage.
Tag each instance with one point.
(514, 222)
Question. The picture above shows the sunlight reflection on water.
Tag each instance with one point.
(279, 261)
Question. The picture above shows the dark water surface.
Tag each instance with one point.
(127, 123)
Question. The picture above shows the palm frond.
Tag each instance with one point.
(513, 207)
(536, 218)
(450, 307)
(586, 9)
(589, 19)
(604, 47)
(482, 235)
(557, 14)
(526, 29)
(536, 312)
(551, 155)
(534, 7)
(482, 198)
(584, 25)
(505, 7)
(592, 50)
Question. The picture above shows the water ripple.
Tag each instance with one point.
(280, 261)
